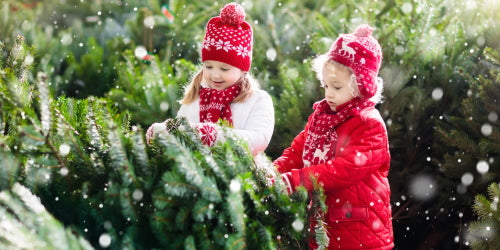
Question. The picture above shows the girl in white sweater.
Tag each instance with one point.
(223, 89)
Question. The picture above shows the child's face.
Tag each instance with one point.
(338, 86)
(219, 75)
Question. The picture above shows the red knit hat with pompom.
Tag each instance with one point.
(361, 52)
(228, 38)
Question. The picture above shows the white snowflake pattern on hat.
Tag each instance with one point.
(243, 51)
(225, 45)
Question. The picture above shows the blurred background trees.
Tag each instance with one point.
(81, 69)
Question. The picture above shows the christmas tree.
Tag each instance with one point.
(94, 173)
(480, 158)
(484, 233)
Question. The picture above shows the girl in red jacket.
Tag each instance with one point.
(344, 146)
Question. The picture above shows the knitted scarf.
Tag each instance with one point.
(321, 140)
(215, 104)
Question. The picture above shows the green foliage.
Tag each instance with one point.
(176, 193)
(150, 91)
(440, 69)
(27, 225)
(478, 159)
(484, 233)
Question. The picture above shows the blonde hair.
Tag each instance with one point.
(322, 60)
(192, 90)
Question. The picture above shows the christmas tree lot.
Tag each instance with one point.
(81, 81)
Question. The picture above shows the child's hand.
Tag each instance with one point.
(207, 133)
(158, 128)
(286, 178)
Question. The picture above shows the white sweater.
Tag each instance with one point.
(253, 120)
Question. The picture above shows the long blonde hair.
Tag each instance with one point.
(192, 90)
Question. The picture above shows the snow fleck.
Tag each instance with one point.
(64, 171)
(29, 60)
(423, 187)
(486, 129)
(235, 186)
(376, 225)
(137, 195)
(437, 94)
(107, 225)
(467, 179)
(298, 225)
(149, 22)
(493, 116)
(481, 41)
(292, 73)
(104, 240)
(494, 205)
(140, 52)
(66, 39)
(482, 167)
(64, 149)
(271, 54)
(164, 106)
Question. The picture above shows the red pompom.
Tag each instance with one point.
(232, 14)
(363, 30)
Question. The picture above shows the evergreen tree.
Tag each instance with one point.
(477, 143)
(434, 69)
(25, 224)
(484, 233)
(94, 173)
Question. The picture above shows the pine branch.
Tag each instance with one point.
(188, 167)
(485, 232)
(234, 205)
(9, 170)
(26, 224)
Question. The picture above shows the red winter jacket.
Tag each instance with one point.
(355, 182)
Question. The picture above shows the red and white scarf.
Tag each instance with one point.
(321, 140)
(215, 104)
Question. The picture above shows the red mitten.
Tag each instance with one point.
(161, 129)
(207, 132)
(157, 128)
(287, 180)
